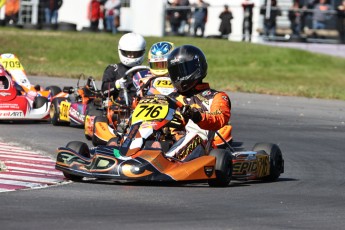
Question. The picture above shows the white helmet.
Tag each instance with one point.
(132, 49)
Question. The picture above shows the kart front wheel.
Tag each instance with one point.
(82, 149)
(223, 168)
(276, 159)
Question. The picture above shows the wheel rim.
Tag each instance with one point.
(52, 111)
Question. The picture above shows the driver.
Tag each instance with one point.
(131, 50)
(158, 67)
(206, 110)
(3, 78)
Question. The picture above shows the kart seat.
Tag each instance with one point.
(88, 92)
(155, 145)
(152, 145)
(4, 83)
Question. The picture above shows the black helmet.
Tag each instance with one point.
(187, 66)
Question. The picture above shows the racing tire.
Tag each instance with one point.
(54, 111)
(39, 102)
(114, 141)
(95, 140)
(54, 90)
(93, 111)
(276, 160)
(82, 149)
(223, 168)
(88, 137)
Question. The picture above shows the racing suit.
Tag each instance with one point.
(112, 73)
(214, 107)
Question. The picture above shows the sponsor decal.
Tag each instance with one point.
(9, 106)
(225, 98)
(203, 99)
(176, 59)
(263, 166)
(206, 93)
(244, 167)
(13, 114)
(75, 114)
(208, 170)
(190, 146)
(4, 94)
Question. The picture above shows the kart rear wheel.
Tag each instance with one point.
(223, 168)
(82, 149)
(95, 140)
(79, 147)
(39, 102)
(54, 111)
(54, 90)
(276, 160)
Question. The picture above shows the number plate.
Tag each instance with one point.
(163, 82)
(12, 63)
(150, 112)
(64, 110)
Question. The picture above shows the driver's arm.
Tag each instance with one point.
(219, 114)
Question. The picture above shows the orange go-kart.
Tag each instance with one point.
(145, 153)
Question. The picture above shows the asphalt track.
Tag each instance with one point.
(309, 195)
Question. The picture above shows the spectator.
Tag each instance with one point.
(200, 17)
(270, 12)
(247, 26)
(307, 7)
(225, 24)
(341, 21)
(185, 16)
(11, 11)
(174, 17)
(95, 13)
(295, 16)
(112, 15)
(320, 15)
(51, 8)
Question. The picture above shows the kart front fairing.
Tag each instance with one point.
(135, 158)
(147, 164)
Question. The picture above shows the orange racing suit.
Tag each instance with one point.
(214, 107)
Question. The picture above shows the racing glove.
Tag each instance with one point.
(120, 83)
(191, 113)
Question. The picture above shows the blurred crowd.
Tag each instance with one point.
(184, 18)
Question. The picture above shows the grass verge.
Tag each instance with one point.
(233, 66)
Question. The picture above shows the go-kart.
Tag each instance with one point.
(100, 129)
(21, 82)
(14, 106)
(71, 106)
(145, 153)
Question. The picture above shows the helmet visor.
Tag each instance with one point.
(159, 65)
(179, 71)
(132, 54)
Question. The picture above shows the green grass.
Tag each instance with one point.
(233, 66)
